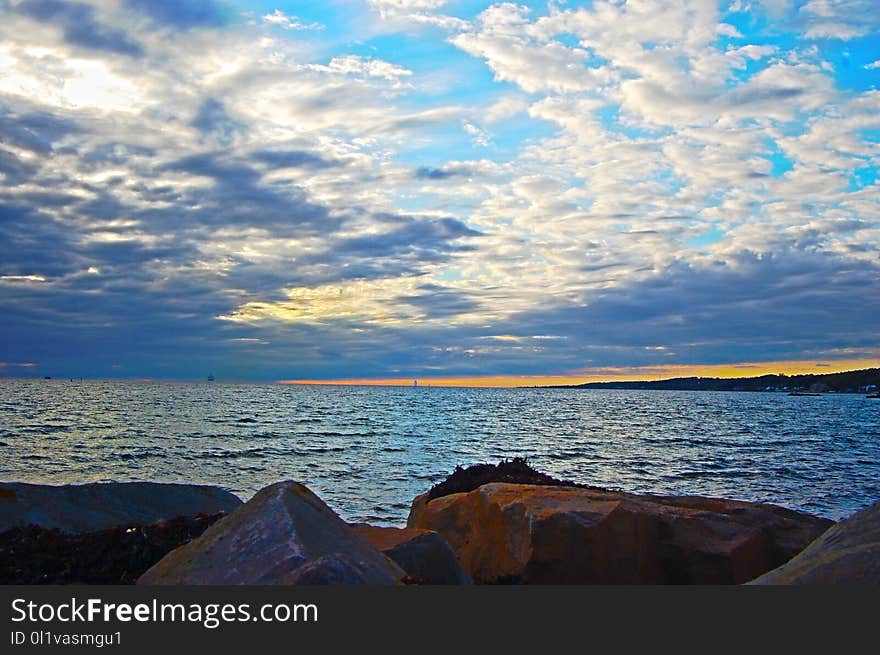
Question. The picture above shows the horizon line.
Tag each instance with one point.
(608, 374)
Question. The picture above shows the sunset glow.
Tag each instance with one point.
(620, 374)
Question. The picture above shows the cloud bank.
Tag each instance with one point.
(403, 190)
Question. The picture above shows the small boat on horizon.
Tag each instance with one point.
(210, 377)
(873, 395)
(803, 393)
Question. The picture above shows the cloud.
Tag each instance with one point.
(838, 19)
(213, 121)
(14, 170)
(34, 131)
(535, 65)
(183, 14)
(423, 239)
(445, 173)
(294, 159)
(288, 22)
(236, 195)
(436, 302)
(408, 5)
(353, 64)
(80, 26)
(617, 176)
(416, 12)
(773, 305)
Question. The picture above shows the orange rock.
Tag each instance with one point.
(385, 538)
(559, 535)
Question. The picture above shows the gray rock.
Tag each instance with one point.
(426, 556)
(847, 553)
(329, 569)
(80, 508)
(283, 535)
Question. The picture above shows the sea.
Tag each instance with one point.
(367, 451)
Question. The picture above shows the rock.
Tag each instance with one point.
(329, 569)
(513, 471)
(426, 557)
(78, 508)
(848, 553)
(269, 540)
(116, 556)
(538, 534)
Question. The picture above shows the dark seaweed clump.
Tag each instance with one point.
(32, 555)
(515, 471)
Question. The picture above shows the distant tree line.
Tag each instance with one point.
(863, 381)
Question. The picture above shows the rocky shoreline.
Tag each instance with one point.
(485, 524)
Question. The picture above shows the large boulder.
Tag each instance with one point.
(848, 553)
(536, 534)
(78, 508)
(426, 557)
(284, 535)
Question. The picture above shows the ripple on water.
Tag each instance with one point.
(371, 450)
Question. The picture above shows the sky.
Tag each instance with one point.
(447, 190)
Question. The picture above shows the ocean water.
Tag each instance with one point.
(368, 451)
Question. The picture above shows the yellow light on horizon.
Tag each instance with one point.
(614, 374)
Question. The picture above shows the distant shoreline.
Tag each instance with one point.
(865, 381)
